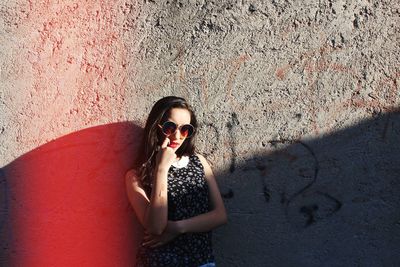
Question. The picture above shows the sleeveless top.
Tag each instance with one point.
(187, 197)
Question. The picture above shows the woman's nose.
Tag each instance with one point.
(176, 135)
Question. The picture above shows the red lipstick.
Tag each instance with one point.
(173, 144)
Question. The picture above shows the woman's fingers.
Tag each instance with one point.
(165, 143)
(147, 237)
(148, 243)
(148, 240)
(157, 240)
(152, 243)
(156, 245)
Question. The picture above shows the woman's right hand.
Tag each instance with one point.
(171, 232)
(165, 156)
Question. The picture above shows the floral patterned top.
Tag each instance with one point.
(188, 196)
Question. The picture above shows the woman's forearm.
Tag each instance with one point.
(202, 223)
(157, 211)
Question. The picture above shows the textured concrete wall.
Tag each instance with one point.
(298, 104)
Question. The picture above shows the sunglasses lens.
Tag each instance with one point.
(169, 128)
(187, 130)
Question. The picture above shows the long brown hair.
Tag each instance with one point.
(152, 138)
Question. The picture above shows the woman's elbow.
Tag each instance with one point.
(223, 218)
(156, 230)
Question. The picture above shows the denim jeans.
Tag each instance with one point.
(210, 264)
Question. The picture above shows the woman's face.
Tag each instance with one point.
(179, 116)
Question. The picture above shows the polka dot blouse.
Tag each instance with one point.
(187, 197)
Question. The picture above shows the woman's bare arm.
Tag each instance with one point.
(212, 219)
(152, 214)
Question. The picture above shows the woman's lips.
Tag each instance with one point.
(173, 145)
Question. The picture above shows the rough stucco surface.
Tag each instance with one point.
(62, 69)
(298, 104)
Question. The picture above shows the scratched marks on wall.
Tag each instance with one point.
(289, 176)
(371, 96)
(196, 83)
(294, 171)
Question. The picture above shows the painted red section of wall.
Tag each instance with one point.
(67, 201)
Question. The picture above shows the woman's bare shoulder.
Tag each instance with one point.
(132, 176)
(202, 158)
(204, 161)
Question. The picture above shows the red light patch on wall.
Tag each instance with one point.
(67, 201)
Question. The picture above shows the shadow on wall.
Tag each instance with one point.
(331, 201)
(65, 204)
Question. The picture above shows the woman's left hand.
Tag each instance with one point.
(171, 232)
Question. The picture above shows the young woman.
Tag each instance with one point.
(173, 190)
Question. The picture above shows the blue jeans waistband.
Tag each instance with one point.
(210, 264)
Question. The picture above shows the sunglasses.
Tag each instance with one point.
(170, 127)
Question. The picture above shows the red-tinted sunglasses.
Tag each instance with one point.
(170, 127)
